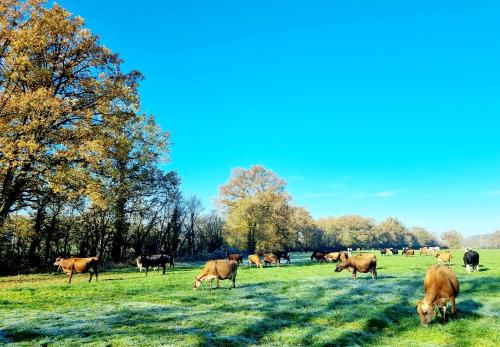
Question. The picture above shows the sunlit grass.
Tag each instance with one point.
(302, 303)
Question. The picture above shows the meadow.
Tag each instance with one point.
(303, 303)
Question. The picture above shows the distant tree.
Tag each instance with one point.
(392, 232)
(194, 208)
(495, 239)
(453, 239)
(258, 209)
(348, 231)
(304, 230)
(211, 228)
(424, 237)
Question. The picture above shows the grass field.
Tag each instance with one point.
(304, 303)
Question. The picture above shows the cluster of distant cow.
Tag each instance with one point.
(440, 284)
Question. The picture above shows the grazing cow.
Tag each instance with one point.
(440, 285)
(442, 257)
(362, 262)
(333, 257)
(217, 270)
(408, 251)
(270, 258)
(424, 251)
(285, 255)
(383, 251)
(78, 265)
(471, 259)
(319, 256)
(395, 251)
(344, 256)
(254, 259)
(147, 261)
(236, 257)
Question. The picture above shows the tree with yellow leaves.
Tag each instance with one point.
(61, 94)
(259, 210)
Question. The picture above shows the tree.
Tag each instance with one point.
(129, 156)
(193, 210)
(453, 239)
(211, 228)
(348, 231)
(495, 239)
(305, 233)
(424, 237)
(258, 209)
(392, 232)
(60, 91)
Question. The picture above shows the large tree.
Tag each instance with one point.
(61, 90)
(258, 209)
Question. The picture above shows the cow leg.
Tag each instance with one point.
(164, 266)
(234, 282)
(374, 274)
(453, 307)
(354, 274)
(442, 310)
(91, 271)
(218, 284)
(467, 268)
(70, 275)
(147, 270)
(476, 269)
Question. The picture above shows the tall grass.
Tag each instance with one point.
(304, 303)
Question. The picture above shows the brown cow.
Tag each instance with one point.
(78, 265)
(319, 256)
(217, 270)
(344, 256)
(235, 257)
(270, 259)
(442, 257)
(333, 257)
(440, 285)
(254, 259)
(408, 252)
(362, 263)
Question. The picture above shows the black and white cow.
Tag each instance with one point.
(147, 261)
(471, 259)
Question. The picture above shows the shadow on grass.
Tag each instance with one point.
(262, 314)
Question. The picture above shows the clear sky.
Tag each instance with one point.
(378, 108)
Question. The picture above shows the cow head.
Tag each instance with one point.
(58, 261)
(425, 313)
(197, 283)
(339, 268)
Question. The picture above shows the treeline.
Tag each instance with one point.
(261, 217)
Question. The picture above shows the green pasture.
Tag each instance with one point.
(303, 303)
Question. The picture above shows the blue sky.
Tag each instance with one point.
(374, 108)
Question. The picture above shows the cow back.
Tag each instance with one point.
(225, 268)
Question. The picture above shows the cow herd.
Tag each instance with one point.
(440, 283)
